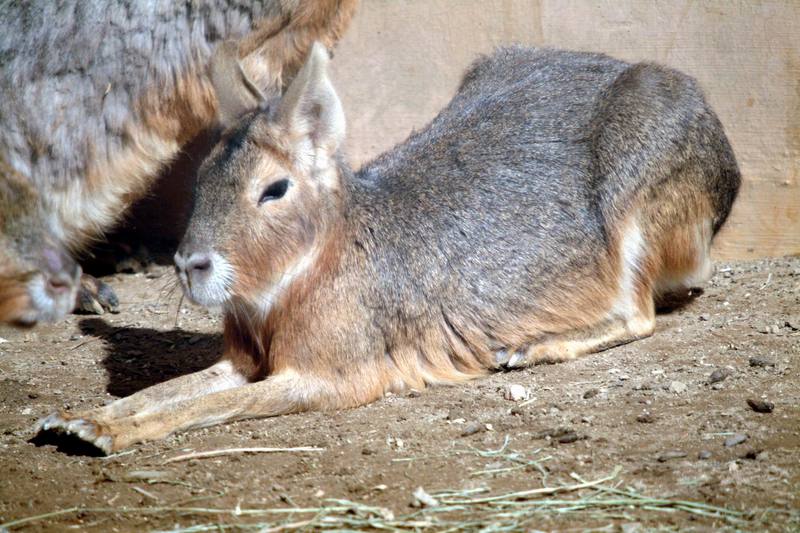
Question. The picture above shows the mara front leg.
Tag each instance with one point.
(116, 427)
(221, 376)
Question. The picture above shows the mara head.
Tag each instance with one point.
(38, 278)
(269, 193)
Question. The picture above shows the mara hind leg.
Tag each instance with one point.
(575, 343)
(678, 218)
(660, 257)
(627, 310)
(662, 254)
(683, 257)
(614, 330)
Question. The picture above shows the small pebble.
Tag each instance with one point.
(144, 475)
(760, 406)
(761, 362)
(733, 440)
(645, 418)
(705, 454)
(704, 318)
(568, 438)
(591, 393)
(472, 429)
(672, 454)
(718, 375)
(632, 527)
(515, 393)
(423, 499)
(678, 387)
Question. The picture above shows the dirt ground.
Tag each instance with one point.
(645, 426)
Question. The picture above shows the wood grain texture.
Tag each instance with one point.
(402, 59)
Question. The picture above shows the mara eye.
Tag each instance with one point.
(274, 191)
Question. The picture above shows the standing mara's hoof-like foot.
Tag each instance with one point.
(86, 429)
(96, 297)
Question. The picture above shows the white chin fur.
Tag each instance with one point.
(47, 308)
(214, 291)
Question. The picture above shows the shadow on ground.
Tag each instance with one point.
(137, 358)
(66, 444)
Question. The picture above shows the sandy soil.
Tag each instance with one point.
(649, 407)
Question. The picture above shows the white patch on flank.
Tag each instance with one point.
(632, 252)
(270, 296)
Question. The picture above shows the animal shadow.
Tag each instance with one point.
(66, 444)
(137, 358)
(673, 303)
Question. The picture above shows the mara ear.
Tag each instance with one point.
(311, 114)
(236, 94)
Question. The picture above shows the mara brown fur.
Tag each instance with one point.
(542, 215)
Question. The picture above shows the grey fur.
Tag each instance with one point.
(71, 71)
(96, 97)
(515, 183)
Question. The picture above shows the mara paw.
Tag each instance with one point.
(96, 297)
(508, 360)
(93, 432)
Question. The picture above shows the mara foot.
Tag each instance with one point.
(83, 427)
(96, 297)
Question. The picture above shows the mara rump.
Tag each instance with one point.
(540, 216)
(96, 97)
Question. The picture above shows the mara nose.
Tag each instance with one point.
(60, 283)
(196, 263)
(60, 270)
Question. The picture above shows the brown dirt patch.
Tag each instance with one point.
(647, 407)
